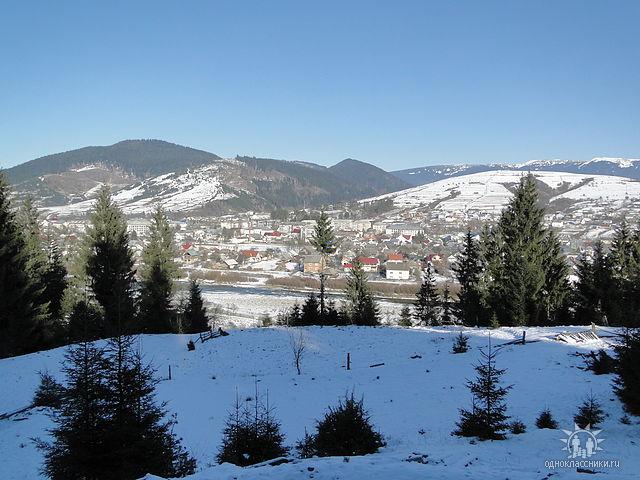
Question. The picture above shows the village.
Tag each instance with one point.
(272, 249)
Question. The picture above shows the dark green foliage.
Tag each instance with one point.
(526, 274)
(140, 157)
(77, 450)
(461, 343)
(251, 435)
(109, 426)
(49, 393)
(405, 316)
(627, 383)
(487, 419)
(110, 265)
(86, 322)
(55, 282)
(600, 363)
(156, 312)
(426, 304)
(546, 420)
(590, 413)
(138, 438)
(22, 314)
(517, 427)
(324, 241)
(468, 271)
(594, 290)
(362, 308)
(194, 315)
(345, 430)
(447, 317)
(310, 313)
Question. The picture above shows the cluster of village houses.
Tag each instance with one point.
(393, 246)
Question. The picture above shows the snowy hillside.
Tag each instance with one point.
(413, 399)
(623, 167)
(491, 191)
(175, 192)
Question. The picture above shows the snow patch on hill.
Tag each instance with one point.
(491, 191)
(174, 192)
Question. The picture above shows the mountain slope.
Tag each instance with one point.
(620, 167)
(142, 158)
(489, 192)
(144, 173)
(369, 175)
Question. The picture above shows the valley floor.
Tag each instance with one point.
(413, 400)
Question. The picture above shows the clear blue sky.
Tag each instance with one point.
(395, 83)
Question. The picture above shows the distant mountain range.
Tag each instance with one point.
(143, 173)
(620, 167)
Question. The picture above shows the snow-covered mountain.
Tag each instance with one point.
(145, 173)
(490, 191)
(623, 167)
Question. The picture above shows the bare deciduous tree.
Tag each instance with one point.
(298, 343)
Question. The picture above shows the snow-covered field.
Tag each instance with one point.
(413, 401)
(243, 306)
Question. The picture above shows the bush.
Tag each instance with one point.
(50, 393)
(461, 344)
(589, 414)
(251, 435)
(517, 427)
(601, 363)
(546, 420)
(344, 431)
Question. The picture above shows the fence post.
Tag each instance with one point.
(169, 372)
(524, 336)
(348, 361)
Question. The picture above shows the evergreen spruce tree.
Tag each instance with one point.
(362, 308)
(525, 263)
(138, 440)
(47, 275)
(77, 450)
(556, 293)
(195, 314)
(405, 316)
(310, 311)
(589, 414)
(21, 311)
(468, 270)
(426, 304)
(447, 310)
(55, 282)
(324, 241)
(627, 383)
(251, 434)
(623, 263)
(487, 420)
(345, 430)
(109, 264)
(593, 291)
(157, 276)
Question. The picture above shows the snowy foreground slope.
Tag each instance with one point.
(413, 401)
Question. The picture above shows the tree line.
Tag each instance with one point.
(44, 304)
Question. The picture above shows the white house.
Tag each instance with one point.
(398, 271)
